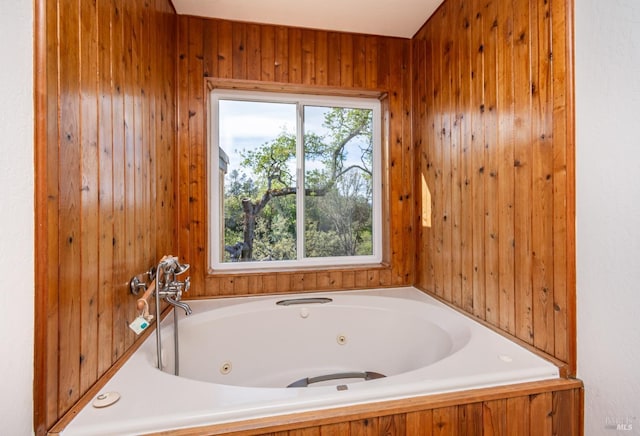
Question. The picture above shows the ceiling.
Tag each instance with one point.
(401, 18)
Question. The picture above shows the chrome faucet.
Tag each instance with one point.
(177, 303)
(170, 289)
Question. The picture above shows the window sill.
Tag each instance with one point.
(301, 269)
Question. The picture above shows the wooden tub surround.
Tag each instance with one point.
(479, 192)
(529, 409)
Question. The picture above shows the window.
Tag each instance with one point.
(295, 180)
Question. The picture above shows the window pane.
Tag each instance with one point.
(338, 149)
(257, 146)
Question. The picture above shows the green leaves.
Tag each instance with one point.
(260, 202)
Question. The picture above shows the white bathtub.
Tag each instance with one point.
(237, 357)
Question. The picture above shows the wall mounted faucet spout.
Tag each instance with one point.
(170, 289)
(181, 304)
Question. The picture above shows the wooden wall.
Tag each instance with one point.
(493, 124)
(211, 49)
(105, 142)
(479, 104)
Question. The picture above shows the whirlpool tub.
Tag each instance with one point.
(246, 358)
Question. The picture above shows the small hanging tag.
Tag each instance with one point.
(139, 325)
(144, 313)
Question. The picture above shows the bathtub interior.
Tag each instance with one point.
(428, 349)
(262, 344)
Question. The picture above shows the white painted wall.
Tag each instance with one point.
(608, 212)
(16, 218)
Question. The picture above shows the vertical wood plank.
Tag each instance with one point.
(334, 59)
(241, 285)
(541, 413)
(133, 172)
(466, 206)
(197, 201)
(505, 107)
(561, 196)
(359, 61)
(566, 413)
(310, 281)
(445, 421)
(168, 236)
(471, 418)
(348, 279)
(392, 425)
(144, 219)
(522, 163)
(478, 179)
(491, 220)
(128, 160)
(371, 64)
(270, 283)
(308, 56)
(570, 198)
(210, 48)
(518, 416)
(447, 149)
(283, 281)
(321, 58)
(436, 158)
(364, 427)
(405, 263)
(89, 220)
(494, 418)
(281, 63)
(69, 209)
(346, 60)
(225, 48)
(152, 92)
(421, 183)
(267, 53)
(295, 55)
(254, 52)
(183, 117)
(255, 284)
(457, 118)
(51, 252)
(542, 173)
(106, 130)
(239, 50)
(297, 282)
(395, 151)
(383, 63)
(419, 423)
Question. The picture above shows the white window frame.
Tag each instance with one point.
(216, 219)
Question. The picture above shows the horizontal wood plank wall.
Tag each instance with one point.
(105, 141)
(531, 412)
(219, 49)
(493, 126)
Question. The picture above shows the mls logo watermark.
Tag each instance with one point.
(624, 423)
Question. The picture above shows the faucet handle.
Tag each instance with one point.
(187, 284)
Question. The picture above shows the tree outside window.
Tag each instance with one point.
(296, 180)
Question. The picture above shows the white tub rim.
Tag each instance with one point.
(110, 420)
